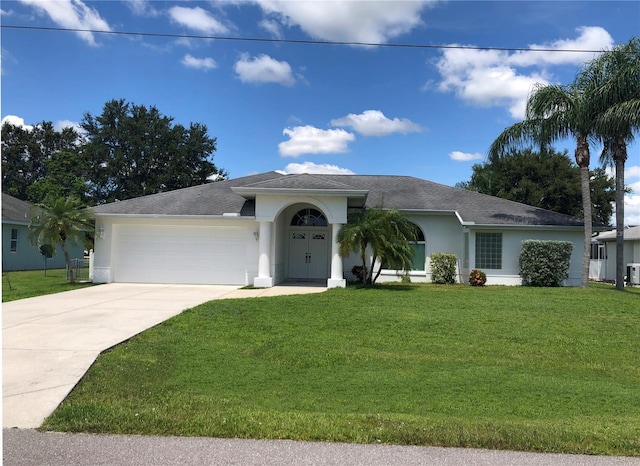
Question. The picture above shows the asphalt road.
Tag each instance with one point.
(29, 447)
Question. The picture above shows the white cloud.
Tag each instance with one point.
(62, 124)
(374, 123)
(500, 78)
(353, 21)
(197, 19)
(464, 156)
(264, 69)
(313, 168)
(73, 14)
(631, 172)
(632, 200)
(16, 121)
(590, 38)
(632, 208)
(205, 64)
(272, 27)
(142, 8)
(312, 140)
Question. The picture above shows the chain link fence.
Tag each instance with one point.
(79, 269)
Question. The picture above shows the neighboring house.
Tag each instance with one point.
(267, 228)
(603, 253)
(17, 251)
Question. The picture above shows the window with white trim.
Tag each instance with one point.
(13, 246)
(309, 218)
(598, 251)
(419, 251)
(489, 250)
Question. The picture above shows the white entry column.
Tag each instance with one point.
(264, 278)
(337, 279)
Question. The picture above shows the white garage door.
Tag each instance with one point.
(179, 254)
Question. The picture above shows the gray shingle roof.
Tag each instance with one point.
(15, 210)
(401, 192)
(207, 199)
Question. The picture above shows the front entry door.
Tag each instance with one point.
(308, 254)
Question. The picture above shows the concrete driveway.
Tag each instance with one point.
(49, 342)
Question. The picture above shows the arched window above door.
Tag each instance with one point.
(309, 218)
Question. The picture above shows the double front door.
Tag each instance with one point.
(309, 253)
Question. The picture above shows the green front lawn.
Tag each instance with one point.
(30, 283)
(536, 369)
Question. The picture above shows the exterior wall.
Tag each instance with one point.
(28, 257)
(104, 252)
(268, 207)
(445, 234)
(631, 254)
(442, 234)
(511, 246)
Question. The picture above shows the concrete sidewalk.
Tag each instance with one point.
(49, 342)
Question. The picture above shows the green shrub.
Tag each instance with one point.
(477, 278)
(443, 268)
(544, 263)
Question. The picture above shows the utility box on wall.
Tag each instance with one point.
(633, 274)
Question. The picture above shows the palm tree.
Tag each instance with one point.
(57, 221)
(613, 82)
(391, 243)
(556, 112)
(387, 233)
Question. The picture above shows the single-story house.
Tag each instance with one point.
(603, 253)
(17, 251)
(268, 228)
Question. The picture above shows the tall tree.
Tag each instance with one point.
(134, 151)
(613, 83)
(65, 175)
(26, 153)
(57, 221)
(547, 179)
(385, 234)
(554, 112)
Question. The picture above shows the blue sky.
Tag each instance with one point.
(425, 112)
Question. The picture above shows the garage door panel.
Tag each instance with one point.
(174, 254)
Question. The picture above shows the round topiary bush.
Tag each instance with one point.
(477, 278)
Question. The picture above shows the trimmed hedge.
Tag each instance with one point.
(544, 263)
(443, 268)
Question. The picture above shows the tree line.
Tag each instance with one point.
(126, 151)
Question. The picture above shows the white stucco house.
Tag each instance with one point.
(268, 228)
(603, 254)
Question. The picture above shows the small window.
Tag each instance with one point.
(419, 249)
(309, 218)
(14, 240)
(489, 250)
(598, 251)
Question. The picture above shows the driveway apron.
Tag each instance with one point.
(49, 342)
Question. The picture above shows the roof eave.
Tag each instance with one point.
(225, 216)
